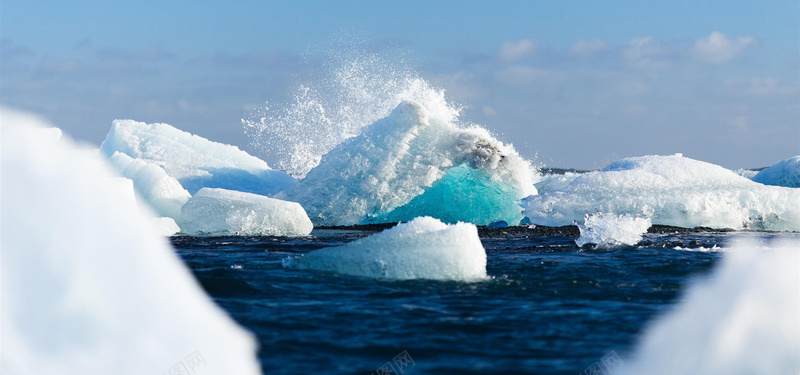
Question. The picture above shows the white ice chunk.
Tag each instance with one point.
(88, 286)
(193, 160)
(424, 248)
(220, 212)
(607, 230)
(783, 173)
(671, 190)
(412, 164)
(162, 193)
(743, 319)
(165, 226)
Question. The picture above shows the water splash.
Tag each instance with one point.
(355, 91)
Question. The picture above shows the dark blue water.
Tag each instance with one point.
(551, 308)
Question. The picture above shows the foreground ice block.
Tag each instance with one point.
(411, 164)
(607, 230)
(783, 173)
(162, 193)
(670, 190)
(88, 286)
(743, 319)
(220, 212)
(424, 248)
(193, 160)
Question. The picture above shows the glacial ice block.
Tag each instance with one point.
(606, 230)
(162, 193)
(219, 212)
(411, 164)
(424, 248)
(743, 319)
(783, 173)
(88, 286)
(670, 190)
(194, 161)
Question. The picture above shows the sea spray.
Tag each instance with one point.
(355, 91)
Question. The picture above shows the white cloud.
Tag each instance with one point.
(717, 48)
(587, 48)
(770, 87)
(489, 111)
(513, 51)
(642, 49)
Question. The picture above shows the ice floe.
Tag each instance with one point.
(220, 212)
(424, 248)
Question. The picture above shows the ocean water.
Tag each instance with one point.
(550, 307)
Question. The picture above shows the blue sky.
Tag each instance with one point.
(572, 83)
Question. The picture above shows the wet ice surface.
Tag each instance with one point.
(550, 307)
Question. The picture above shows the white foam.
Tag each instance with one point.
(743, 319)
(412, 164)
(783, 173)
(219, 212)
(194, 161)
(424, 248)
(671, 190)
(88, 286)
(606, 230)
(162, 193)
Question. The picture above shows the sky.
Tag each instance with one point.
(569, 83)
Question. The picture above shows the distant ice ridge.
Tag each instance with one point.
(783, 173)
(219, 212)
(89, 287)
(194, 161)
(162, 193)
(606, 230)
(412, 164)
(670, 190)
(743, 319)
(424, 248)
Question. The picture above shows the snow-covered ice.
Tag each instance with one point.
(162, 193)
(193, 160)
(607, 230)
(89, 287)
(220, 212)
(424, 248)
(670, 190)
(412, 164)
(783, 173)
(743, 319)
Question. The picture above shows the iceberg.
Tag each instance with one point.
(162, 193)
(165, 226)
(220, 212)
(670, 190)
(783, 173)
(411, 164)
(607, 231)
(424, 248)
(743, 319)
(89, 287)
(194, 161)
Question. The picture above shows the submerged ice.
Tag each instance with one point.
(194, 161)
(670, 190)
(220, 212)
(424, 248)
(412, 163)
